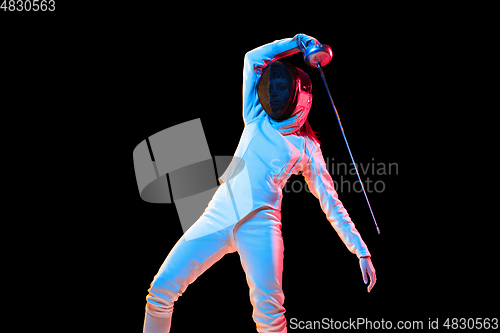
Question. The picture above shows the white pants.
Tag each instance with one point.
(258, 240)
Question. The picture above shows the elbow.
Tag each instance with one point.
(248, 61)
(249, 56)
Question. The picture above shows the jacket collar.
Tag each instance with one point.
(292, 124)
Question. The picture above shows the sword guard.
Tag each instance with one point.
(318, 54)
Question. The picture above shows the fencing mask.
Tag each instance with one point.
(283, 89)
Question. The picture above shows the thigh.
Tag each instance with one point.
(189, 258)
(260, 245)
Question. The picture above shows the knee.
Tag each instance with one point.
(269, 314)
(269, 302)
(159, 307)
(160, 300)
(270, 306)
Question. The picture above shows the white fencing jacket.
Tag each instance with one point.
(269, 152)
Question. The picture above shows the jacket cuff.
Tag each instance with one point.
(365, 253)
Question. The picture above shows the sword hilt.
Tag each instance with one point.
(318, 54)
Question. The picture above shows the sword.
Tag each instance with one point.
(317, 56)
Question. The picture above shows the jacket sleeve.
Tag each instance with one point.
(321, 186)
(254, 63)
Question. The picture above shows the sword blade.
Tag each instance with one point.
(347, 144)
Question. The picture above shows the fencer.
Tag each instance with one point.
(244, 214)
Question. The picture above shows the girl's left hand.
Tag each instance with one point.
(367, 268)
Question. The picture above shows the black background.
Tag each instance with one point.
(105, 81)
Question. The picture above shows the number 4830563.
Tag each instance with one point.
(28, 5)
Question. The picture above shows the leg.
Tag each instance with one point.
(260, 246)
(186, 261)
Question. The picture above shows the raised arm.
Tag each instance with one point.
(255, 62)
